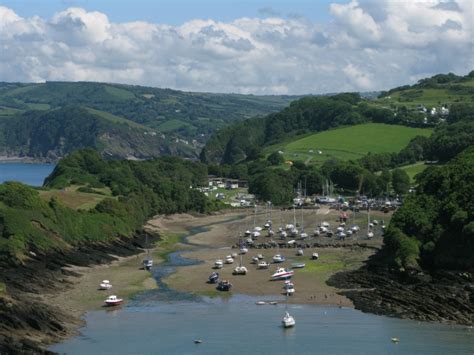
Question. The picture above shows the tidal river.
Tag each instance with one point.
(163, 321)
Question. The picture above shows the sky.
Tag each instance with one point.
(246, 46)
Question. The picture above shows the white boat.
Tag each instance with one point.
(229, 259)
(240, 270)
(315, 256)
(260, 256)
(105, 285)
(289, 226)
(340, 229)
(234, 255)
(288, 321)
(288, 288)
(294, 232)
(370, 235)
(148, 261)
(248, 233)
(218, 264)
(243, 250)
(263, 265)
(282, 274)
(257, 229)
(255, 259)
(304, 235)
(323, 229)
(260, 303)
(271, 233)
(267, 225)
(355, 229)
(278, 258)
(316, 232)
(113, 300)
(298, 265)
(300, 252)
(283, 234)
(325, 225)
(255, 234)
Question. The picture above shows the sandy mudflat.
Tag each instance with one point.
(219, 233)
(218, 238)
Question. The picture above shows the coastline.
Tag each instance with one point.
(6, 159)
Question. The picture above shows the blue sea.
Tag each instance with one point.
(30, 174)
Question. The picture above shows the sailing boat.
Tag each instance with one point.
(303, 235)
(240, 270)
(148, 261)
(288, 321)
(370, 234)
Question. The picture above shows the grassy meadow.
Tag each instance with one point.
(348, 142)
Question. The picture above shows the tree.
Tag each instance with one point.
(276, 158)
(400, 181)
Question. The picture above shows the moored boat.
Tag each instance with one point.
(263, 265)
(315, 256)
(224, 285)
(288, 321)
(282, 274)
(298, 265)
(218, 264)
(113, 300)
(278, 258)
(105, 285)
(229, 259)
(240, 270)
(213, 278)
(300, 252)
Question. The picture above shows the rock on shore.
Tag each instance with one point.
(443, 296)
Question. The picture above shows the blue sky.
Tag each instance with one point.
(176, 12)
(245, 46)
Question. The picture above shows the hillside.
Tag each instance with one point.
(177, 122)
(426, 104)
(348, 142)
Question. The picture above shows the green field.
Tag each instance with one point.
(429, 97)
(348, 142)
(414, 169)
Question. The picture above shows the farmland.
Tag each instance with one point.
(348, 142)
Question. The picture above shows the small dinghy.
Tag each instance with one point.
(260, 256)
(229, 259)
(260, 303)
(218, 264)
(315, 256)
(298, 265)
(255, 259)
(300, 252)
(263, 265)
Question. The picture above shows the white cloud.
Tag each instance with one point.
(367, 46)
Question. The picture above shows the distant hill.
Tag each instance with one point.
(425, 104)
(348, 142)
(157, 121)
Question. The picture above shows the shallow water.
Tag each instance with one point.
(30, 174)
(164, 321)
(238, 325)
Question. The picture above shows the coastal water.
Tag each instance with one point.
(238, 326)
(30, 174)
(164, 321)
